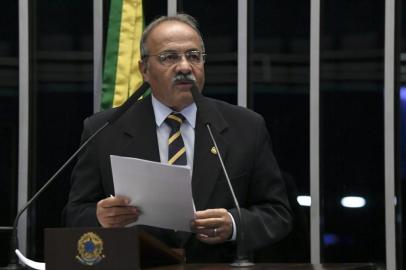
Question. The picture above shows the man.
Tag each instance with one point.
(172, 63)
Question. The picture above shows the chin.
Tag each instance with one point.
(183, 102)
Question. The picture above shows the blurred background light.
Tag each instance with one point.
(330, 239)
(304, 200)
(353, 202)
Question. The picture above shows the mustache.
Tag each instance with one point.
(181, 77)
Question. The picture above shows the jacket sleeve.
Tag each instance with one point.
(266, 213)
(86, 187)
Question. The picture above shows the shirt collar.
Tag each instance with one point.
(162, 111)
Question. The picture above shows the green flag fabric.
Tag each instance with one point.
(121, 76)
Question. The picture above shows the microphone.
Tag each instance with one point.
(242, 259)
(13, 261)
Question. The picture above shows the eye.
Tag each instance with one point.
(193, 56)
(169, 57)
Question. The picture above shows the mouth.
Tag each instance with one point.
(184, 83)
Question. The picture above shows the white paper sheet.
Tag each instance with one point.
(162, 192)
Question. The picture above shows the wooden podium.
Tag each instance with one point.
(133, 249)
(105, 249)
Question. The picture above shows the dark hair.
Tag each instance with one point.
(183, 18)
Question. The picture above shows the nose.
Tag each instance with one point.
(183, 66)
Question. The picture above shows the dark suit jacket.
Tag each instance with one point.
(245, 145)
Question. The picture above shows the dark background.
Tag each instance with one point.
(351, 109)
(8, 119)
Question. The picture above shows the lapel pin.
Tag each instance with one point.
(213, 150)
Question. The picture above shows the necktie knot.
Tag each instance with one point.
(174, 120)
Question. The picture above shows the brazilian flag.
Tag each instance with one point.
(121, 76)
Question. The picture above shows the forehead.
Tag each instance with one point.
(173, 35)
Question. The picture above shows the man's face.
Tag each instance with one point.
(172, 36)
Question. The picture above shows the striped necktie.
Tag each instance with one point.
(176, 146)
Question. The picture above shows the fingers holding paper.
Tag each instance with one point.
(114, 212)
(213, 226)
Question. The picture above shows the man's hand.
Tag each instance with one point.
(114, 212)
(213, 226)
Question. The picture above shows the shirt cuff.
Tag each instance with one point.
(234, 235)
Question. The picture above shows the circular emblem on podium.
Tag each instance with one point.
(90, 248)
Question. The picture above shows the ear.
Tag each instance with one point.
(143, 67)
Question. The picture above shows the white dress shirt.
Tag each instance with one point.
(187, 131)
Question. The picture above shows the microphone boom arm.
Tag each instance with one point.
(14, 237)
(13, 264)
(242, 259)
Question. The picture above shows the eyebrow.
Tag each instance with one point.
(175, 51)
(168, 51)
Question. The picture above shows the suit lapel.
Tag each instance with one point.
(206, 166)
(138, 130)
(139, 139)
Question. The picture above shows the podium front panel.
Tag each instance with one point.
(91, 248)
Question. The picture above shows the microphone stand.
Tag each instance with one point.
(14, 264)
(242, 259)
